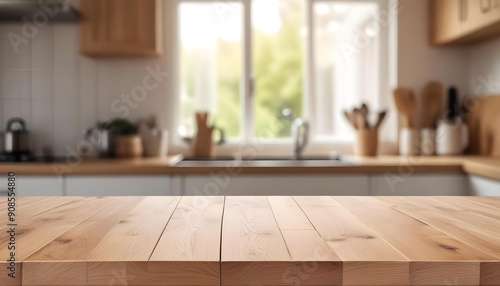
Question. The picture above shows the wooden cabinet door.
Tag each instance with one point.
(481, 14)
(121, 27)
(446, 20)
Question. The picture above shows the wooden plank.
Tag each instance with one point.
(136, 235)
(488, 201)
(421, 243)
(472, 235)
(188, 252)
(66, 256)
(27, 207)
(490, 273)
(361, 249)
(78, 243)
(37, 231)
(314, 262)
(123, 256)
(253, 249)
(288, 214)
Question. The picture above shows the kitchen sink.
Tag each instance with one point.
(228, 161)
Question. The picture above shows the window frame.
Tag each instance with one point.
(387, 76)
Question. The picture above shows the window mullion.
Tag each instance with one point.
(309, 98)
(248, 84)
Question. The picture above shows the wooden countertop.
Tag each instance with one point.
(482, 166)
(254, 241)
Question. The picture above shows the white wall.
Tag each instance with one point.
(60, 92)
(418, 61)
(484, 71)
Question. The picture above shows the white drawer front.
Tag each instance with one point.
(119, 186)
(419, 185)
(480, 186)
(35, 185)
(277, 185)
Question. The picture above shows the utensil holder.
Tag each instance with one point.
(427, 142)
(156, 144)
(366, 142)
(408, 142)
(452, 138)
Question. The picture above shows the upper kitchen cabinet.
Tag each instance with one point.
(121, 28)
(464, 21)
(446, 20)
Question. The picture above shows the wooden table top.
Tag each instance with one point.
(253, 241)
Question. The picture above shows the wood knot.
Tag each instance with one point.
(365, 236)
(447, 247)
(65, 241)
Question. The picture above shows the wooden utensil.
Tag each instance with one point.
(380, 119)
(432, 102)
(365, 111)
(406, 104)
(348, 116)
(359, 119)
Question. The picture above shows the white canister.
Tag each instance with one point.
(408, 142)
(427, 142)
(156, 143)
(452, 138)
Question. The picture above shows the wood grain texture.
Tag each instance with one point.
(417, 240)
(78, 243)
(356, 243)
(413, 238)
(189, 248)
(252, 244)
(136, 235)
(117, 28)
(258, 241)
(288, 214)
(314, 262)
(27, 207)
(36, 232)
(350, 238)
(474, 235)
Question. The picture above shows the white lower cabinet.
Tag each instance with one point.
(276, 185)
(480, 186)
(120, 186)
(419, 185)
(35, 185)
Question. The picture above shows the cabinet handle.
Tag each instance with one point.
(485, 8)
(462, 10)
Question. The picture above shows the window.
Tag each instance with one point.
(245, 61)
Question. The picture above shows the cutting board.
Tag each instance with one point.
(484, 125)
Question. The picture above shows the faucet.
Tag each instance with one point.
(298, 124)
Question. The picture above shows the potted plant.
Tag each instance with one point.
(127, 142)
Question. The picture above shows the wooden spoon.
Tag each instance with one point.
(406, 105)
(359, 119)
(365, 111)
(432, 102)
(380, 119)
(348, 116)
